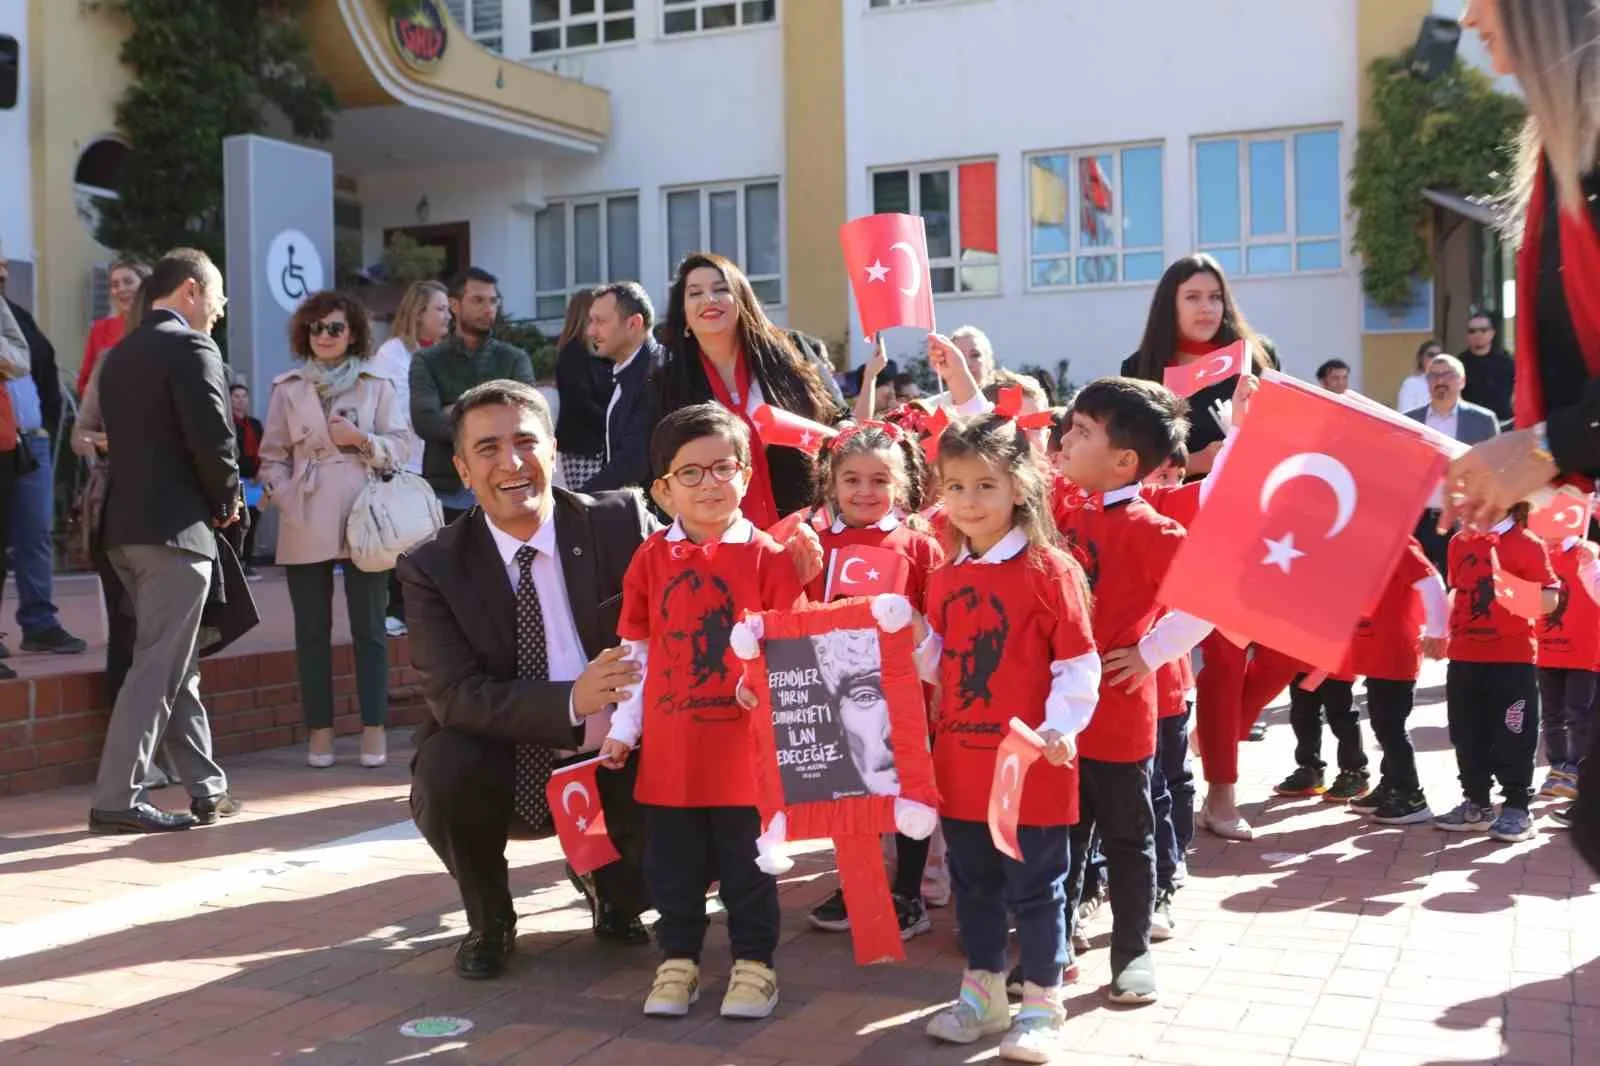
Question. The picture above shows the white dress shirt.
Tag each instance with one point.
(616, 394)
(564, 647)
(1446, 424)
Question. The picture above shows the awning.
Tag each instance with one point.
(1479, 209)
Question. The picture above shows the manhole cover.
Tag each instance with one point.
(434, 1028)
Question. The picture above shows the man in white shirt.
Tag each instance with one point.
(620, 321)
(1449, 414)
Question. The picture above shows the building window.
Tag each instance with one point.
(742, 222)
(1094, 216)
(903, 3)
(957, 203)
(578, 244)
(1270, 203)
(481, 19)
(690, 16)
(559, 25)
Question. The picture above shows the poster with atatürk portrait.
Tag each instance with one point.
(830, 716)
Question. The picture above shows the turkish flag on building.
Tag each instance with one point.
(1525, 599)
(574, 798)
(886, 257)
(1561, 514)
(787, 429)
(862, 570)
(1304, 522)
(1220, 365)
(1017, 753)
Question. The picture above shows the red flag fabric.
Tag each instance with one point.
(862, 570)
(1220, 365)
(1521, 597)
(1313, 681)
(1303, 523)
(786, 429)
(886, 257)
(980, 229)
(1017, 753)
(574, 798)
(1564, 513)
(935, 427)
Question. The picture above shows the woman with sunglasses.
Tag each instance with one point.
(332, 420)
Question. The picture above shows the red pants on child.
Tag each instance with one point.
(1231, 691)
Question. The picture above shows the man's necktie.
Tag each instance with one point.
(534, 763)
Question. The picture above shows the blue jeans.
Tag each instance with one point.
(1172, 797)
(31, 514)
(987, 885)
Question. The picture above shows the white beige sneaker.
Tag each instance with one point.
(752, 991)
(677, 985)
(1035, 1036)
(980, 1010)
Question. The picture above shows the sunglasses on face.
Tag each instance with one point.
(332, 329)
(691, 474)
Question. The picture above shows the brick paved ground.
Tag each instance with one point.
(308, 930)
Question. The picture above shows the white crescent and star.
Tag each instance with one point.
(1011, 765)
(1215, 367)
(576, 788)
(912, 261)
(1575, 522)
(1325, 468)
(877, 271)
(844, 571)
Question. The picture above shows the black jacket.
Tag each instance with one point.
(166, 396)
(630, 423)
(583, 384)
(1490, 379)
(46, 376)
(461, 612)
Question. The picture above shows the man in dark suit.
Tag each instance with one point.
(174, 479)
(1453, 416)
(620, 320)
(513, 613)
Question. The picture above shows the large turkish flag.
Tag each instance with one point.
(1304, 522)
(886, 257)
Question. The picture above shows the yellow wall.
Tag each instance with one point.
(1385, 27)
(75, 80)
(814, 174)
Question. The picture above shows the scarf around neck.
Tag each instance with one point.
(334, 379)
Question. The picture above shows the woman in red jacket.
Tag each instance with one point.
(126, 275)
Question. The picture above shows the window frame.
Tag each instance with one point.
(740, 186)
(466, 23)
(698, 7)
(951, 262)
(915, 5)
(568, 206)
(1285, 135)
(598, 19)
(1078, 251)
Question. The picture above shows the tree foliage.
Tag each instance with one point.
(1455, 133)
(202, 70)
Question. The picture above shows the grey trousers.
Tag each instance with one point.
(161, 694)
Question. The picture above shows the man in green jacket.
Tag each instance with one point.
(469, 356)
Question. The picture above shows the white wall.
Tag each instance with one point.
(16, 186)
(1003, 77)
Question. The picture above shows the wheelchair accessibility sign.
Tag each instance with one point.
(294, 269)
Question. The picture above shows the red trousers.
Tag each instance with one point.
(1231, 691)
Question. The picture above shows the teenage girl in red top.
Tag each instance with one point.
(870, 478)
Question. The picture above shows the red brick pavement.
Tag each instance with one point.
(257, 942)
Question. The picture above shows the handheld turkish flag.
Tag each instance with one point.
(1220, 365)
(787, 429)
(1525, 599)
(574, 798)
(886, 257)
(1561, 514)
(1304, 522)
(1017, 753)
(861, 570)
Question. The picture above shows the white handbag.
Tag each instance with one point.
(394, 513)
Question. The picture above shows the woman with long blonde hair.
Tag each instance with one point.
(421, 321)
(1552, 48)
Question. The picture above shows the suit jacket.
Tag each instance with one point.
(164, 398)
(461, 612)
(632, 420)
(1474, 424)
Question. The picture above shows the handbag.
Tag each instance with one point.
(394, 513)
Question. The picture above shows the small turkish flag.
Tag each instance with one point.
(787, 429)
(1304, 523)
(861, 570)
(574, 798)
(886, 257)
(1561, 514)
(1017, 753)
(1220, 365)
(1525, 599)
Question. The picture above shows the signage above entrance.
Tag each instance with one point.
(420, 37)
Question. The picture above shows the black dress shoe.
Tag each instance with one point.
(609, 924)
(484, 953)
(207, 811)
(143, 818)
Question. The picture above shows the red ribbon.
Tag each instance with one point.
(935, 427)
(888, 429)
(759, 504)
